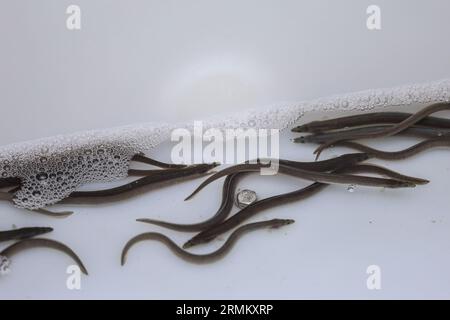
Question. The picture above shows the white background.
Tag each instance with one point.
(137, 61)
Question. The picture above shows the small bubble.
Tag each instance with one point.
(100, 151)
(43, 159)
(42, 176)
(6, 167)
(351, 188)
(36, 193)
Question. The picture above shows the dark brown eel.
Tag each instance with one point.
(22, 245)
(307, 175)
(23, 233)
(349, 134)
(204, 258)
(397, 155)
(143, 159)
(369, 119)
(164, 176)
(224, 210)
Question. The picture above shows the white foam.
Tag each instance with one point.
(52, 168)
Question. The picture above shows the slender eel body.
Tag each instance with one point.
(396, 128)
(9, 182)
(8, 196)
(256, 207)
(308, 175)
(23, 233)
(204, 258)
(26, 244)
(143, 159)
(229, 187)
(350, 134)
(369, 119)
(166, 175)
(397, 155)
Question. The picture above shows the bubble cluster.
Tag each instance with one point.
(46, 181)
(52, 168)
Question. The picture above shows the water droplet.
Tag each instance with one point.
(42, 176)
(351, 188)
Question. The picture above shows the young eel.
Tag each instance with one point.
(204, 258)
(26, 244)
(398, 155)
(369, 119)
(350, 134)
(23, 233)
(307, 175)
